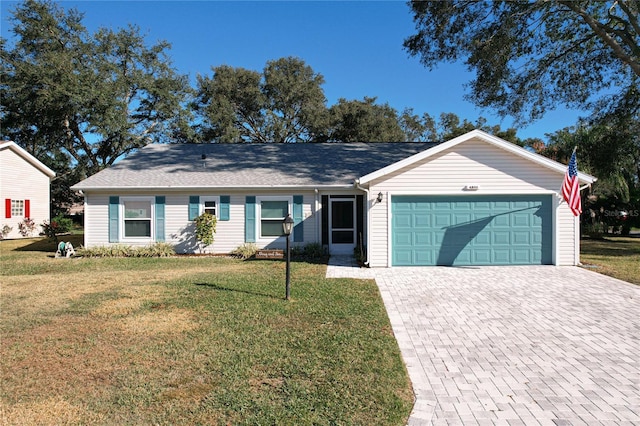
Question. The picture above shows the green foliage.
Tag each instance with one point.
(205, 228)
(153, 250)
(609, 149)
(283, 104)
(78, 101)
(309, 252)
(58, 225)
(245, 251)
(531, 56)
(364, 121)
(447, 126)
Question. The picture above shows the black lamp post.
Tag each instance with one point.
(287, 227)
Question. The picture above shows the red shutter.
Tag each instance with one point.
(7, 208)
(27, 208)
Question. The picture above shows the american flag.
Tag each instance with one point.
(571, 187)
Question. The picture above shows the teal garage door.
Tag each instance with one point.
(471, 230)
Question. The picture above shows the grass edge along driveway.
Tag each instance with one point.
(615, 256)
(192, 341)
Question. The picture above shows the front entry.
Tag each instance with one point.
(342, 225)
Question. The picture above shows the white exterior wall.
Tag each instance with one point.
(474, 162)
(21, 180)
(179, 231)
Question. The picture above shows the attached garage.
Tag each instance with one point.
(474, 200)
(471, 230)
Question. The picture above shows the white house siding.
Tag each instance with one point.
(568, 244)
(179, 231)
(493, 170)
(20, 180)
(96, 220)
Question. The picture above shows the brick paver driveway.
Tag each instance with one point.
(516, 345)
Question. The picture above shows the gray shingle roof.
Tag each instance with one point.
(249, 165)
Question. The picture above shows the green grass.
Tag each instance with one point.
(618, 257)
(192, 340)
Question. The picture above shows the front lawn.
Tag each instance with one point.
(618, 257)
(191, 340)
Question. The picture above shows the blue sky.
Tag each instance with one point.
(355, 45)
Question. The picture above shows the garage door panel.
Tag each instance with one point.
(462, 218)
(483, 239)
(536, 237)
(521, 238)
(422, 239)
(521, 220)
(403, 257)
(500, 238)
(482, 257)
(403, 239)
(521, 256)
(442, 220)
(479, 230)
(500, 256)
(501, 220)
(402, 221)
(421, 220)
(425, 257)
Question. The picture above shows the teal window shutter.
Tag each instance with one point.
(114, 220)
(225, 200)
(250, 219)
(194, 207)
(160, 202)
(298, 226)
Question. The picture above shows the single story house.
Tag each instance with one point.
(474, 200)
(25, 190)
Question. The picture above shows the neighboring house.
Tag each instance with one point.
(474, 200)
(25, 185)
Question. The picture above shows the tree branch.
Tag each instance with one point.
(597, 27)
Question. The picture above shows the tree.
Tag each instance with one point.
(79, 101)
(285, 103)
(610, 151)
(364, 121)
(530, 56)
(449, 126)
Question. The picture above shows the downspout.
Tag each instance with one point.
(366, 190)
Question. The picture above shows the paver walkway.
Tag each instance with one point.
(523, 345)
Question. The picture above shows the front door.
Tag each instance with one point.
(342, 226)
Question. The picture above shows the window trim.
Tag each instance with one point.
(152, 202)
(15, 209)
(259, 199)
(204, 198)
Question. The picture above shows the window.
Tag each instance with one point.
(272, 213)
(137, 218)
(17, 208)
(209, 205)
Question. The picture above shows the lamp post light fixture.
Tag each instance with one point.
(287, 227)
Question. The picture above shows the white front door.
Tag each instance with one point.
(342, 225)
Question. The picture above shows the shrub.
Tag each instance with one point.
(6, 230)
(154, 250)
(205, 228)
(245, 251)
(311, 251)
(58, 225)
(26, 227)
